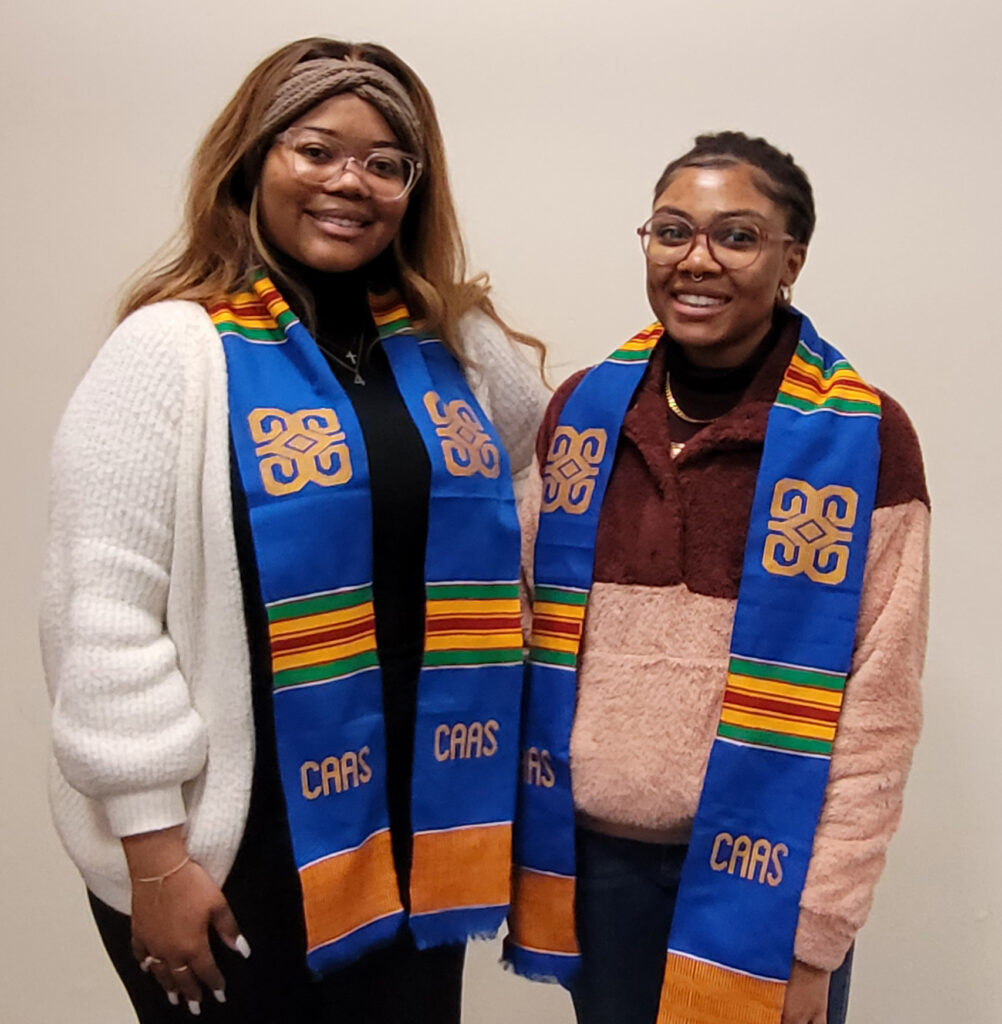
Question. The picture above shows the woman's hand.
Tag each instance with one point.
(171, 917)
(806, 995)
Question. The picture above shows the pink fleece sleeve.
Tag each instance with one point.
(877, 731)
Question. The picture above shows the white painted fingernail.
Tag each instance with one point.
(173, 998)
(194, 1008)
(219, 994)
(242, 946)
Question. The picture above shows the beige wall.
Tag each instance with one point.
(558, 118)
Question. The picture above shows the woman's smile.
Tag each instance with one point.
(701, 305)
(340, 224)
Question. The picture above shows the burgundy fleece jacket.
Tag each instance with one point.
(668, 560)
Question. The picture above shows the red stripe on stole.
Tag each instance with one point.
(272, 298)
(807, 381)
(647, 333)
(478, 624)
(269, 295)
(308, 639)
(781, 707)
(556, 627)
(252, 306)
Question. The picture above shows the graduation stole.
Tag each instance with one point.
(731, 942)
(302, 462)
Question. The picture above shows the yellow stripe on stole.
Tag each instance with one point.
(461, 867)
(349, 890)
(564, 612)
(555, 642)
(542, 912)
(450, 608)
(387, 316)
(809, 695)
(227, 316)
(814, 372)
(695, 992)
(488, 640)
(775, 723)
(791, 387)
(238, 299)
(310, 623)
(643, 340)
(276, 306)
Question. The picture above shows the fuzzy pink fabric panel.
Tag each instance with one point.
(877, 731)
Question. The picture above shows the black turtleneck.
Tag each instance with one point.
(399, 471)
(400, 480)
(706, 393)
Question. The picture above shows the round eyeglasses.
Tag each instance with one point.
(318, 158)
(733, 242)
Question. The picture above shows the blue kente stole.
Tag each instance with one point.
(731, 943)
(302, 463)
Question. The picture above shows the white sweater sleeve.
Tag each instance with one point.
(507, 385)
(124, 730)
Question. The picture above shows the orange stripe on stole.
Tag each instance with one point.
(348, 890)
(542, 912)
(461, 867)
(695, 992)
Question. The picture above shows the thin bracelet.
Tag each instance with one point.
(160, 879)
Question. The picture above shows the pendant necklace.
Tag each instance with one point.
(351, 360)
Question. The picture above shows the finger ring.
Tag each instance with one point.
(180, 970)
(148, 961)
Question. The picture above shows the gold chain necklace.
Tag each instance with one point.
(674, 406)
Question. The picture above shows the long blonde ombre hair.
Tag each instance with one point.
(220, 242)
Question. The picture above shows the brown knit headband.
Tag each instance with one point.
(315, 80)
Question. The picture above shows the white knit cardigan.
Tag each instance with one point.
(142, 622)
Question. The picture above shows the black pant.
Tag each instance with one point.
(396, 984)
(625, 899)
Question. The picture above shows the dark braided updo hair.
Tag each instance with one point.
(783, 182)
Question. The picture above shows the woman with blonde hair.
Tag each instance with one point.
(280, 620)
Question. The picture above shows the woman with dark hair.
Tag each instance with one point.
(281, 617)
(728, 538)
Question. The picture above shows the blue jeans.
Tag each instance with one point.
(625, 899)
